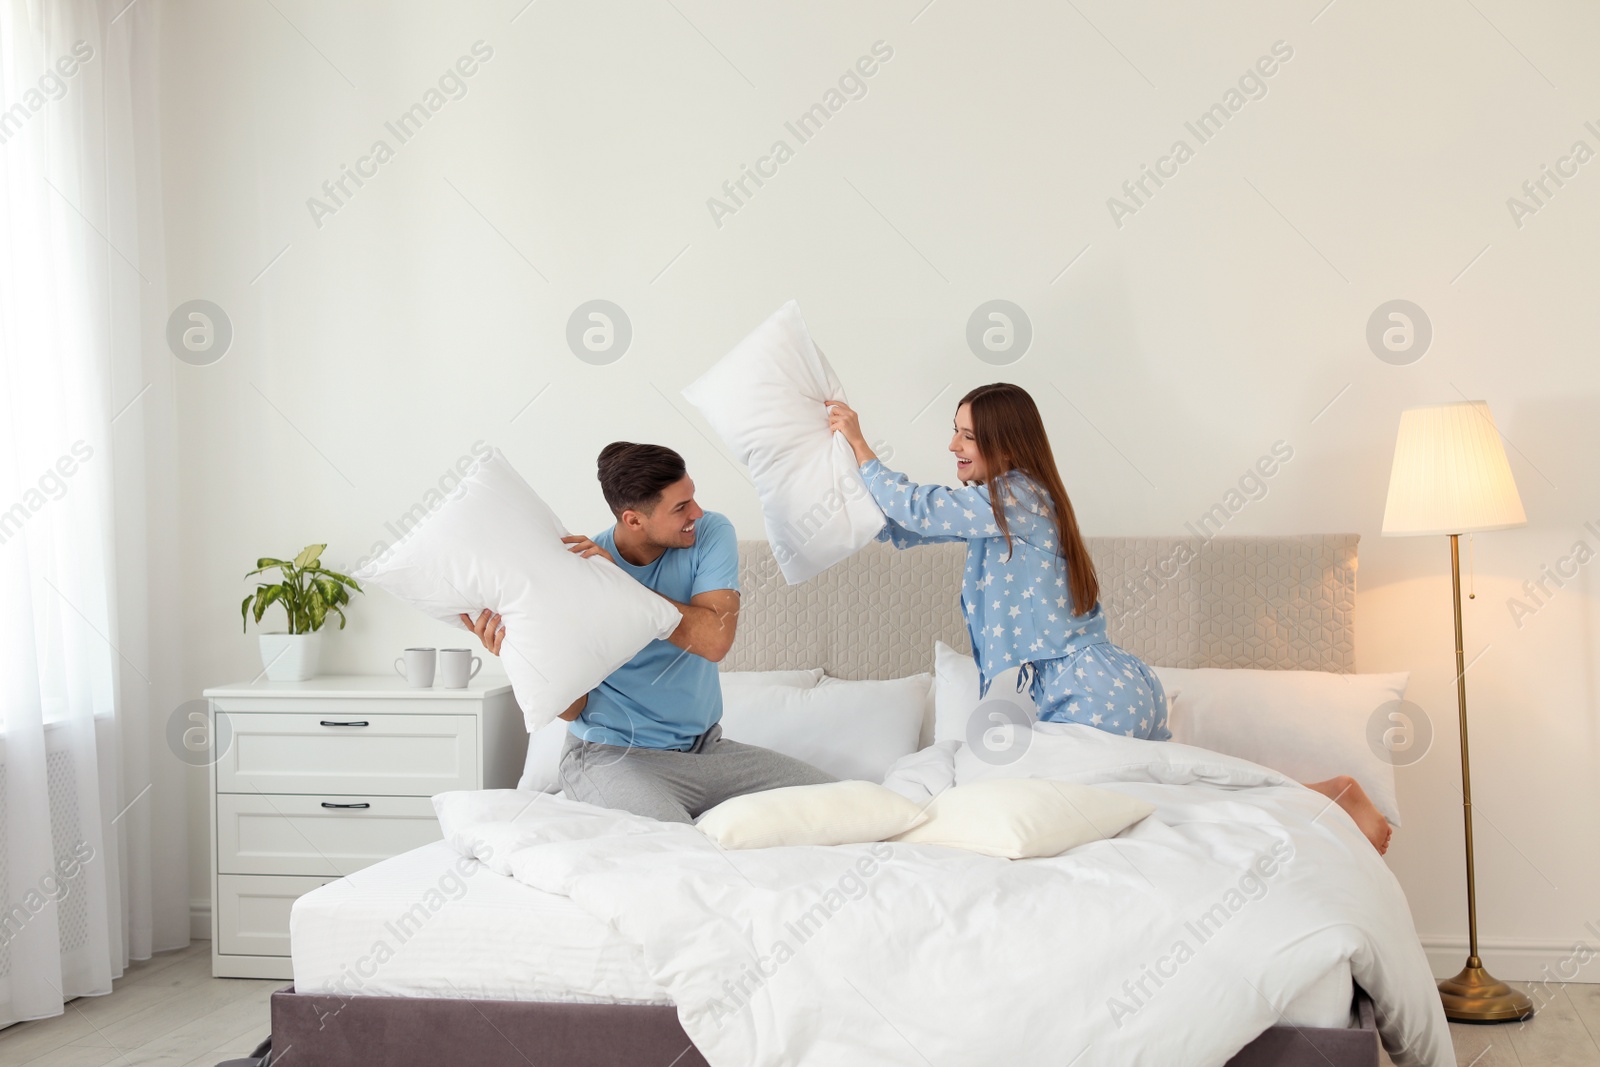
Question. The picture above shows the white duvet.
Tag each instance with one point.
(1176, 943)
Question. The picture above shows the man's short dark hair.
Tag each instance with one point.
(632, 476)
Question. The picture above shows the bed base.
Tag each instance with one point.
(310, 1030)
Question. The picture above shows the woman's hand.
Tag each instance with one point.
(488, 628)
(585, 547)
(843, 419)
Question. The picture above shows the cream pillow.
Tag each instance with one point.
(1018, 818)
(765, 399)
(837, 813)
(492, 543)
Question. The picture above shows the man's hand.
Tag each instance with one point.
(576, 709)
(488, 628)
(585, 547)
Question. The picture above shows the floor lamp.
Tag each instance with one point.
(1450, 476)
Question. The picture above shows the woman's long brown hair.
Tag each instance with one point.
(1010, 436)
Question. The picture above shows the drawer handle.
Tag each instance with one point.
(358, 722)
(363, 804)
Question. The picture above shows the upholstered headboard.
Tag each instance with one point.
(1284, 603)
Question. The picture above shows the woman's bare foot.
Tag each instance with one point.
(1346, 792)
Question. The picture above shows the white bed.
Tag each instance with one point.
(437, 926)
(493, 938)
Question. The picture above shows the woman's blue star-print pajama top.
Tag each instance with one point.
(1018, 605)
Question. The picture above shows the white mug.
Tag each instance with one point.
(457, 667)
(418, 667)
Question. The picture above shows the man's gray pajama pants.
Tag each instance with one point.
(673, 785)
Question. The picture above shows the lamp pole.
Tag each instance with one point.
(1474, 995)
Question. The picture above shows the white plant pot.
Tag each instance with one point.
(291, 657)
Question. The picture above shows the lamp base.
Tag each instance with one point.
(1476, 996)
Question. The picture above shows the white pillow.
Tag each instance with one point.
(955, 699)
(765, 399)
(1017, 818)
(849, 729)
(925, 773)
(541, 767)
(494, 544)
(837, 813)
(1309, 725)
(801, 679)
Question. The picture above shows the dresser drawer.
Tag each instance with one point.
(253, 912)
(348, 752)
(264, 834)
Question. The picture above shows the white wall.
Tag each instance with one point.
(1224, 315)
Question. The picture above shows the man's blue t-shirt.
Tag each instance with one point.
(665, 697)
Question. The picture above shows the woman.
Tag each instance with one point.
(1029, 593)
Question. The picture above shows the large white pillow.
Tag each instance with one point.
(1309, 725)
(837, 813)
(541, 768)
(1016, 818)
(796, 679)
(494, 544)
(765, 399)
(849, 729)
(955, 700)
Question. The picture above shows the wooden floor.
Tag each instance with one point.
(1565, 1033)
(170, 1012)
(165, 1011)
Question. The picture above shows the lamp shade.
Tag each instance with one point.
(1450, 474)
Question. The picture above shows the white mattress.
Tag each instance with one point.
(416, 926)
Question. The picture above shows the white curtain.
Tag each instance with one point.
(93, 864)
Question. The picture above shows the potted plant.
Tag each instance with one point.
(307, 592)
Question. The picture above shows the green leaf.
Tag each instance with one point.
(309, 555)
(332, 592)
(265, 597)
(265, 561)
(336, 611)
(336, 576)
(317, 608)
(244, 613)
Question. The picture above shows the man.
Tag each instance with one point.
(647, 738)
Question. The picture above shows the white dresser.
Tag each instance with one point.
(314, 780)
